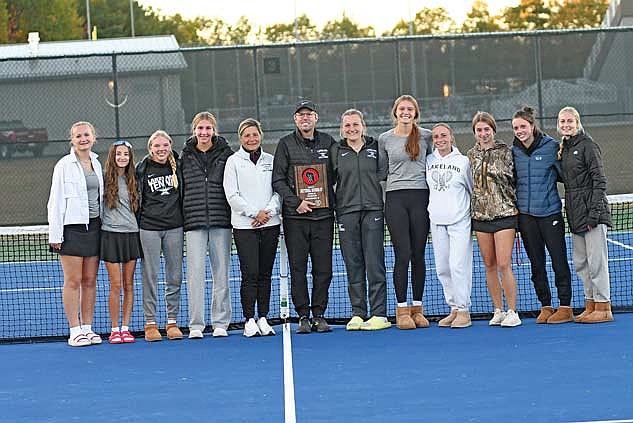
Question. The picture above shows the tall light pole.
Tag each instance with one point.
(89, 26)
(132, 17)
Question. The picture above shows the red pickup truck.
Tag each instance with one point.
(15, 137)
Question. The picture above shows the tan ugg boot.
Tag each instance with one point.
(589, 308)
(446, 322)
(564, 314)
(403, 318)
(545, 314)
(601, 314)
(152, 334)
(462, 320)
(418, 317)
(173, 332)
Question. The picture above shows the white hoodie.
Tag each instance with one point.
(450, 184)
(248, 188)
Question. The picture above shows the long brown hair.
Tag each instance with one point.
(412, 147)
(111, 185)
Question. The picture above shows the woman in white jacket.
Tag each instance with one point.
(255, 219)
(74, 225)
(450, 185)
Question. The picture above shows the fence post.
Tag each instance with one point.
(399, 78)
(115, 91)
(257, 93)
(539, 77)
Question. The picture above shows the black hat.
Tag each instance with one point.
(305, 104)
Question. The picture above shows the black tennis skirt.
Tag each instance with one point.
(120, 247)
(81, 241)
(496, 225)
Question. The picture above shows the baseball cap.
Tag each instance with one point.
(306, 104)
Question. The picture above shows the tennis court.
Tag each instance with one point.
(533, 373)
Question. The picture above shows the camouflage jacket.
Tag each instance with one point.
(494, 193)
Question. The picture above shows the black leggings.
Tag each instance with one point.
(407, 218)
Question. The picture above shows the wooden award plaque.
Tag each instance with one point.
(311, 184)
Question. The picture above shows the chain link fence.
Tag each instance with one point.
(131, 95)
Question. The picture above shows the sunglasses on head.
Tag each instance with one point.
(122, 142)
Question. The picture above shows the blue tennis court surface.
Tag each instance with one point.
(533, 373)
(30, 292)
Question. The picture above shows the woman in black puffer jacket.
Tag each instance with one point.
(588, 214)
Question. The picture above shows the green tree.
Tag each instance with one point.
(4, 22)
(427, 21)
(285, 32)
(54, 19)
(345, 28)
(112, 19)
(480, 20)
(578, 13)
(528, 15)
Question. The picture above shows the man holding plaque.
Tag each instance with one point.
(301, 176)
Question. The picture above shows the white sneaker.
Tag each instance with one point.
(220, 332)
(498, 317)
(511, 320)
(195, 334)
(250, 329)
(264, 328)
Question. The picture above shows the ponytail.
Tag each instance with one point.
(172, 163)
(412, 146)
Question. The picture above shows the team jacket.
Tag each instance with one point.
(585, 184)
(161, 210)
(537, 170)
(68, 199)
(494, 194)
(248, 189)
(357, 177)
(292, 151)
(204, 203)
(450, 184)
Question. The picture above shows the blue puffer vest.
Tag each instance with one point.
(537, 170)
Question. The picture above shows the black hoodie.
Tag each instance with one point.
(204, 203)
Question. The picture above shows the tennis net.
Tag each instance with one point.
(31, 283)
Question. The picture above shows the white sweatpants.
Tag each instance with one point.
(453, 251)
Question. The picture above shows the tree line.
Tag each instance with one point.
(57, 20)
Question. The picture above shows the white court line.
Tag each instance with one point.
(628, 247)
(289, 384)
(606, 421)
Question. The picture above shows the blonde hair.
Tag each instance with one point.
(82, 123)
(353, 112)
(249, 123)
(448, 127)
(576, 115)
(171, 158)
(204, 116)
(412, 147)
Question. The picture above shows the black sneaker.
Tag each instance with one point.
(304, 325)
(320, 325)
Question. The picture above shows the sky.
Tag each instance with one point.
(381, 14)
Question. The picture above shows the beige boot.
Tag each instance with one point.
(151, 333)
(462, 320)
(403, 318)
(446, 322)
(564, 314)
(589, 308)
(601, 314)
(173, 332)
(545, 314)
(418, 317)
